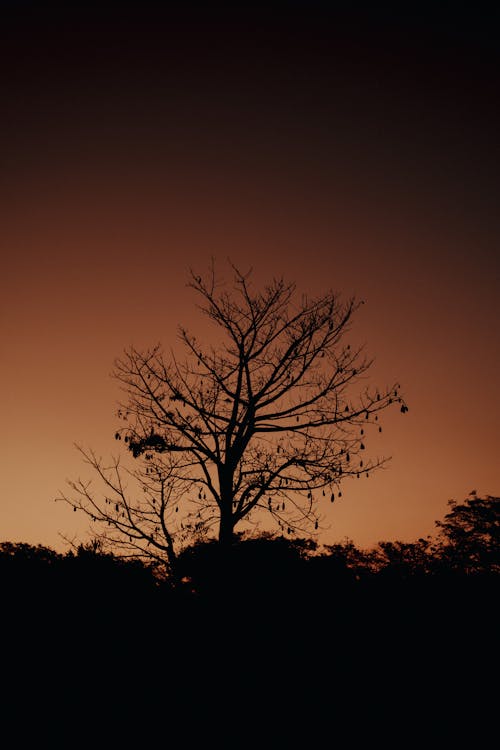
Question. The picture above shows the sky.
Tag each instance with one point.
(353, 150)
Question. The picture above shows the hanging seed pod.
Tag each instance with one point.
(332, 497)
(117, 507)
(362, 446)
(380, 429)
(316, 525)
(348, 457)
(361, 463)
(323, 493)
(340, 494)
(176, 508)
(362, 432)
(74, 510)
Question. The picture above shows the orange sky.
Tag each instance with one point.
(359, 153)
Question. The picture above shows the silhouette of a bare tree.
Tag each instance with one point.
(133, 510)
(270, 421)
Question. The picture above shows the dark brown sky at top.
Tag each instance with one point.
(353, 151)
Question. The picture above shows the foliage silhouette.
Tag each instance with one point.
(469, 535)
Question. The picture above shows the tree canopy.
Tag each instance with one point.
(469, 535)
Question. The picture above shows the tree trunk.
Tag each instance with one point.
(226, 529)
(225, 581)
(226, 524)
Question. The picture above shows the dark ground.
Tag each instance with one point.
(109, 659)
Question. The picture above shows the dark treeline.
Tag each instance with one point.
(270, 643)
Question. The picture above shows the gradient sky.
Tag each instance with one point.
(353, 151)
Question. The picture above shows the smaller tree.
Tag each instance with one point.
(405, 559)
(134, 510)
(469, 536)
(345, 556)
